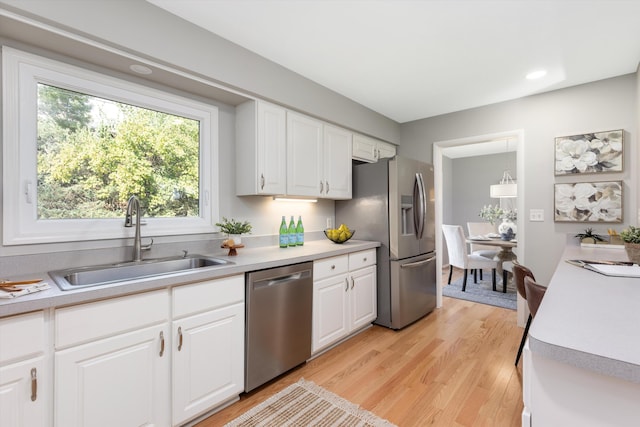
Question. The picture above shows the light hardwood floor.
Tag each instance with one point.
(452, 368)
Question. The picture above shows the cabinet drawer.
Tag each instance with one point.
(362, 259)
(87, 322)
(22, 336)
(207, 295)
(330, 267)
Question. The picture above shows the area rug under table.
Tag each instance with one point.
(306, 404)
(482, 292)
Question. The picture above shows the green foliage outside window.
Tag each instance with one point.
(94, 153)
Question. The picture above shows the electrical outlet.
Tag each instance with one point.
(329, 222)
(536, 214)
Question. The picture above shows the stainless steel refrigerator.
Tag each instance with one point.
(393, 203)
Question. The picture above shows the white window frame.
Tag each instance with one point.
(22, 72)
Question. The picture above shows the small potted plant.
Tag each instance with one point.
(631, 239)
(589, 235)
(234, 229)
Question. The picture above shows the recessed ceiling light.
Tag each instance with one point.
(538, 74)
(140, 69)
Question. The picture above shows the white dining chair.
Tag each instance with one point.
(481, 229)
(460, 257)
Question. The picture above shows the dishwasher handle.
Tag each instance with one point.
(276, 281)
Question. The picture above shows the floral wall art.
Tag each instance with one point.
(589, 153)
(588, 202)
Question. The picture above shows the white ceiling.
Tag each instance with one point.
(414, 59)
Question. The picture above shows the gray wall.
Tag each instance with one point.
(603, 105)
(471, 178)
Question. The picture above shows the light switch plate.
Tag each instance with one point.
(536, 214)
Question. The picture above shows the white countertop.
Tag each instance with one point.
(590, 320)
(248, 259)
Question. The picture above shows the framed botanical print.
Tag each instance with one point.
(589, 153)
(588, 202)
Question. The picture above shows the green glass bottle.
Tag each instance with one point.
(284, 233)
(300, 232)
(293, 239)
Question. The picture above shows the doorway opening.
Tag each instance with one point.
(476, 146)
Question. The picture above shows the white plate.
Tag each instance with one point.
(493, 235)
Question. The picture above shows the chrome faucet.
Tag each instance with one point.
(133, 208)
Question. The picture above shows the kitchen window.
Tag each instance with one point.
(78, 143)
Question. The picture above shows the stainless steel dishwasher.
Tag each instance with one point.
(278, 321)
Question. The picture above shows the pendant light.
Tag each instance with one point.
(507, 187)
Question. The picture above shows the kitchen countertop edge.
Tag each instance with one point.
(248, 259)
(589, 320)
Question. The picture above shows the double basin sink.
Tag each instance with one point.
(98, 275)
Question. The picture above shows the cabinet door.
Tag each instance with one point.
(330, 311)
(304, 156)
(272, 154)
(385, 150)
(23, 394)
(363, 297)
(208, 355)
(364, 148)
(337, 163)
(117, 381)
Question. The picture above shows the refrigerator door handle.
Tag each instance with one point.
(418, 263)
(420, 210)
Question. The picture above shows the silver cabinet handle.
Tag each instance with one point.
(346, 281)
(34, 384)
(161, 343)
(353, 282)
(326, 184)
(321, 187)
(333, 267)
(179, 338)
(262, 181)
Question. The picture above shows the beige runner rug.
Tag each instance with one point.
(305, 404)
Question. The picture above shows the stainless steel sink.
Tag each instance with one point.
(97, 275)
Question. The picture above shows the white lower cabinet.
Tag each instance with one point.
(117, 381)
(330, 311)
(362, 296)
(208, 346)
(112, 362)
(24, 377)
(157, 358)
(344, 297)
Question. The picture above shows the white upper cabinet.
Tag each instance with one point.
(385, 150)
(261, 138)
(337, 163)
(371, 150)
(280, 152)
(318, 158)
(304, 156)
